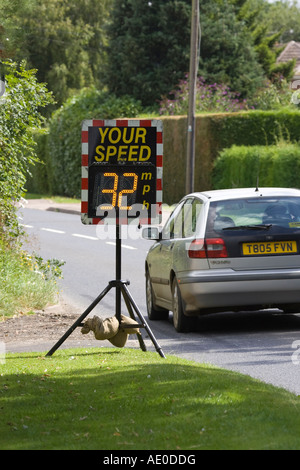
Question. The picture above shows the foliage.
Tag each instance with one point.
(255, 128)
(217, 98)
(148, 49)
(64, 41)
(209, 98)
(283, 16)
(273, 95)
(227, 52)
(149, 59)
(214, 133)
(19, 114)
(38, 180)
(142, 48)
(273, 166)
(107, 398)
(23, 281)
(48, 269)
(64, 141)
(11, 35)
(255, 15)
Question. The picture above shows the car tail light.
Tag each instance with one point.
(208, 248)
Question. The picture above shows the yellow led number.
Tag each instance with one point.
(117, 196)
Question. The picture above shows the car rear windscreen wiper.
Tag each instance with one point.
(249, 227)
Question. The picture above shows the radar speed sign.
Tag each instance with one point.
(122, 170)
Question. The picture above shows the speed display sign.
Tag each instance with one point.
(122, 162)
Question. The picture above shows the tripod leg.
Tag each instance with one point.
(146, 326)
(79, 320)
(139, 336)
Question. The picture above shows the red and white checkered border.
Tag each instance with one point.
(157, 216)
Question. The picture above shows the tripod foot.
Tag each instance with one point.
(131, 305)
(129, 301)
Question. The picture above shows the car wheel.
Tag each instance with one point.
(154, 313)
(180, 321)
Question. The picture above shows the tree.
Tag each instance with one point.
(283, 16)
(11, 34)
(255, 14)
(227, 52)
(148, 49)
(64, 40)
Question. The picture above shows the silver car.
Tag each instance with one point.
(226, 250)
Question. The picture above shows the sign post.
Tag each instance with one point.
(121, 181)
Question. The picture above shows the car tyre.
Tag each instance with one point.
(154, 312)
(180, 321)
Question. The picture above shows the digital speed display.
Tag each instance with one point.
(120, 187)
(121, 170)
(115, 189)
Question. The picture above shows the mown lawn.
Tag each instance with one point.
(103, 398)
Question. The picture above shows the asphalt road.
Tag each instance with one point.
(264, 345)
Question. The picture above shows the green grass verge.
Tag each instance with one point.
(59, 199)
(113, 399)
(25, 282)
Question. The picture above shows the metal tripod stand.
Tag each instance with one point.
(121, 288)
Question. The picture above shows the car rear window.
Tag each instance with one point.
(254, 213)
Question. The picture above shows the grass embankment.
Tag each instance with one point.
(58, 199)
(114, 399)
(27, 282)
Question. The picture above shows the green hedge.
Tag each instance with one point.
(39, 180)
(214, 133)
(272, 166)
(64, 140)
(255, 127)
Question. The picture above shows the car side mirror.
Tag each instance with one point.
(151, 233)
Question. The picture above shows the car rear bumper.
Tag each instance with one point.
(227, 288)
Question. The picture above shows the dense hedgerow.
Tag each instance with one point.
(245, 166)
(214, 133)
(64, 141)
(19, 115)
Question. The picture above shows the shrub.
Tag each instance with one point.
(219, 98)
(209, 98)
(270, 166)
(19, 114)
(214, 132)
(38, 180)
(27, 281)
(64, 141)
(273, 95)
(254, 128)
